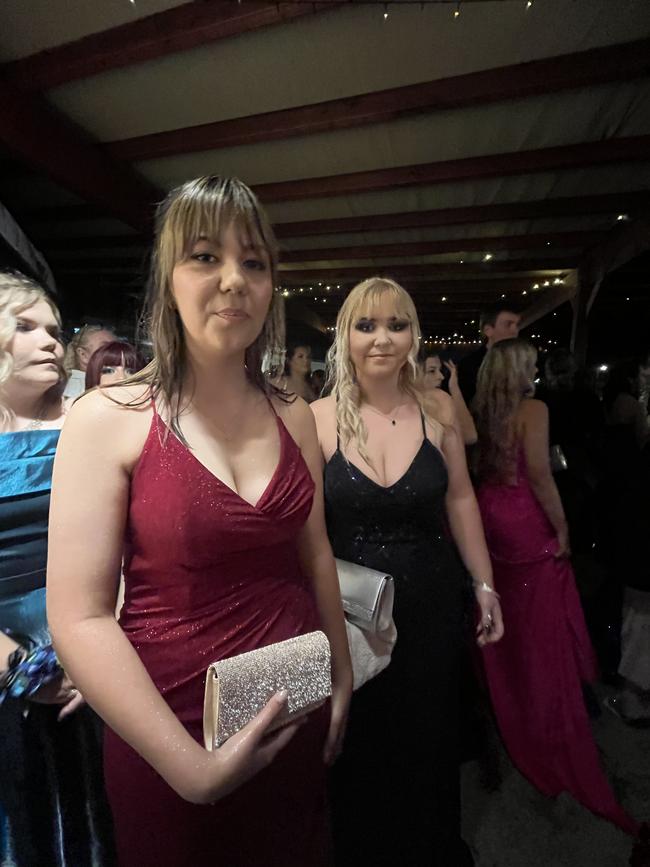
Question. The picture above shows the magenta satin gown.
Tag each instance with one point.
(535, 672)
(208, 576)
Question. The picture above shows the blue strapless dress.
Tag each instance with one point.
(52, 805)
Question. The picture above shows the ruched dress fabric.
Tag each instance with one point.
(395, 789)
(53, 809)
(535, 673)
(208, 576)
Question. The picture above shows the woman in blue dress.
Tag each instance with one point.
(52, 807)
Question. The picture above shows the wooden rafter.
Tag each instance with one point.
(566, 206)
(556, 240)
(178, 29)
(557, 158)
(585, 68)
(529, 267)
(34, 131)
(563, 206)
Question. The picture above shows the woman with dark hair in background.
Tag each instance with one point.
(535, 673)
(51, 784)
(113, 362)
(297, 370)
(433, 377)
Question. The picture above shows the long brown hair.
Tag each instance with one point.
(204, 207)
(505, 379)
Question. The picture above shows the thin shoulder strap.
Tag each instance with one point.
(153, 403)
(424, 424)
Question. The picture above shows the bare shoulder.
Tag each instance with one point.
(297, 417)
(114, 420)
(439, 405)
(324, 409)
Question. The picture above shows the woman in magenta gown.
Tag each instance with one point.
(535, 673)
(208, 485)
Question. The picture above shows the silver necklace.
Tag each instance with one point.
(389, 416)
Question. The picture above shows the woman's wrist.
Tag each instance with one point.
(482, 586)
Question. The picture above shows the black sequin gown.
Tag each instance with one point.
(395, 789)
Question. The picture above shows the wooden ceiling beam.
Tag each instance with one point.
(564, 206)
(557, 158)
(594, 66)
(181, 28)
(556, 240)
(41, 137)
(531, 267)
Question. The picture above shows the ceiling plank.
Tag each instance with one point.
(531, 267)
(42, 137)
(564, 206)
(181, 28)
(557, 240)
(559, 157)
(595, 66)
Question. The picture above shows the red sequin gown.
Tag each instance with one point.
(208, 576)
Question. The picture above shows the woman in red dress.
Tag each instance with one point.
(208, 485)
(536, 671)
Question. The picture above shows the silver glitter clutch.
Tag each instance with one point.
(237, 688)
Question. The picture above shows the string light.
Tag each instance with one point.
(457, 10)
(487, 257)
(622, 217)
(529, 3)
(385, 11)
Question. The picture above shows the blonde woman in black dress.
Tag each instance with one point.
(398, 498)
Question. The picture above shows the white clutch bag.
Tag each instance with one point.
(237, 688)
(367, 597)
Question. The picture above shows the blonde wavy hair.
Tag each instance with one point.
(71, 358)
(505, 379)
(204, 207)
(17, 294)
(341, 375)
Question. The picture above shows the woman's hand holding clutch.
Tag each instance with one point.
(221, 771)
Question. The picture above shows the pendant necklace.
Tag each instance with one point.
(389, 416)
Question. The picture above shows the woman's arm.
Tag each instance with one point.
(90, 494)
(318, 562)
(534, 429)
(7, 647)
(464, 416)
(467, 530)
